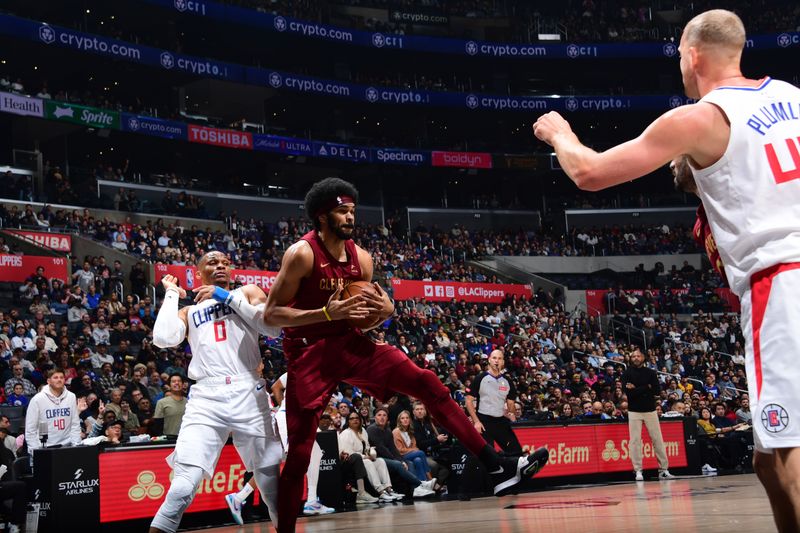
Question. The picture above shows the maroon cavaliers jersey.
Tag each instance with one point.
(315, 290)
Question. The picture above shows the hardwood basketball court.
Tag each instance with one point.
(725, 504)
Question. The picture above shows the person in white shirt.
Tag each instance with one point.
(55, 408)
(100, 333)
(739, 143)
(353, 440)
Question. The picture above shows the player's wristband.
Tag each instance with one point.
(325, 312)
(221, 295)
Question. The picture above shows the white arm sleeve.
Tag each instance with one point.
(169, 330)
(253, 314)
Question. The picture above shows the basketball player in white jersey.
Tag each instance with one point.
(229, 397)
(741, 140)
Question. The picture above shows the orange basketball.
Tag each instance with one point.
(354, 289)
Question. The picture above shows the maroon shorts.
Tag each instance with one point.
(316, 367)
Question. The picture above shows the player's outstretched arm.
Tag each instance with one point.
(684, 130)
(298, 262)
(170, 327)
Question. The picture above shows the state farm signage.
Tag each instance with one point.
(442, 291)
(55, 241)
(600, 448)
(135, 483)
(188, 277)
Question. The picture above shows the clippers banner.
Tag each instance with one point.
(188, 278)
(18, 268)
(444, 291)
(597, 298)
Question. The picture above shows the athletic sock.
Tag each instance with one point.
(246, 491)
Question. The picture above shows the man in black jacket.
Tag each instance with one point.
(642, 387)
(380, 436)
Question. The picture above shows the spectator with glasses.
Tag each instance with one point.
(28, 388)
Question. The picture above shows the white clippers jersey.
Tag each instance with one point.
(752, 194)
(222, 343)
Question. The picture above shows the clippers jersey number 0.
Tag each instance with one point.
(220, 334)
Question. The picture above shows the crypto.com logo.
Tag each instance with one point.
(573, 51)
(786, 40)
(675, 101)
(670, 50)
(372, 94)
(472, 101)
(571, 104)
(167, 61)
(47, 34)
(280, 24)
(472, 48)
(275, 80)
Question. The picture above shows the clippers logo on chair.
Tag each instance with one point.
(775, 418)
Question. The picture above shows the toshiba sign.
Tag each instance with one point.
(55, 241)
(462, 159)
(220, 137)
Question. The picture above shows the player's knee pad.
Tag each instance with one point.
(185, 480)
(184, 485)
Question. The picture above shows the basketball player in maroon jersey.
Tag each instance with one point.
(322, 349)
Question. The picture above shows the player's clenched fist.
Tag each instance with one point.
(550, 125)
(171, 282)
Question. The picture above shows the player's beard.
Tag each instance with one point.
(342, 231)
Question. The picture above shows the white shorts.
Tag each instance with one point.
(217, 408)
(770, 322)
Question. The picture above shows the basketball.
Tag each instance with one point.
(354, 289)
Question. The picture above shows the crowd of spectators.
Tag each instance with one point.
(429, 253)
(565, 366)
